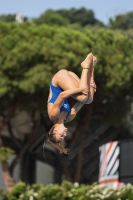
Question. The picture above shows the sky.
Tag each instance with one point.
(103, 9)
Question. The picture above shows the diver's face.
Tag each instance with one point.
(60, 131)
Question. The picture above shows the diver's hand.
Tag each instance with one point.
(85, 89)
(94, 86)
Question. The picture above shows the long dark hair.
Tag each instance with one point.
(58, 144)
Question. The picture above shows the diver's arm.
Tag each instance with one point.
(55, 109)
(67, 93)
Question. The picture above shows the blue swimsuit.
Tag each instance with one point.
(55, 93)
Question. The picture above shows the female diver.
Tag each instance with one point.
(66, 84)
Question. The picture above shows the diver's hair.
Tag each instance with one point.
(59, 145)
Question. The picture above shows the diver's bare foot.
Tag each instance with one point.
(94, 61)
(87, 62)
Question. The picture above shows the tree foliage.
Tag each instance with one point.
(32, 54)
(82, 16)
(64, 17)
(123, 21)
(67, 191)
(51, 18)
(5, 153)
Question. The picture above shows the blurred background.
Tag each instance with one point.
(38, 38)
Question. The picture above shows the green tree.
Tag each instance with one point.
(7, 18)
(63, 17)
(32, 54)
(123, 21)
(51, 18)
(82, 16)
